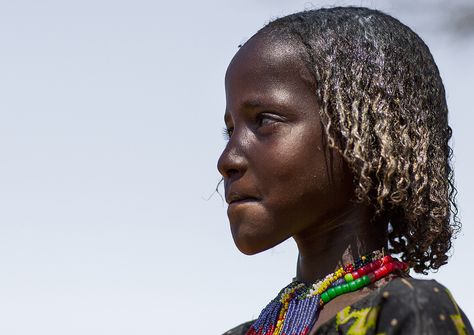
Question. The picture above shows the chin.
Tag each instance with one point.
(255, 232)
(252, 244)
(247, 249)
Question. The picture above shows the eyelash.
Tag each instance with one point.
(227, 133)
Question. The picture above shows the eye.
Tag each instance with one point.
(265, 119)
(227, 133)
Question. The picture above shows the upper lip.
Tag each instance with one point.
(232, 196)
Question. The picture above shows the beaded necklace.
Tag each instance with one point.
(296, 308)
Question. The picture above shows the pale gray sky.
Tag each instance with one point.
(110, 129)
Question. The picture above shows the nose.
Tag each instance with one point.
(232, 161)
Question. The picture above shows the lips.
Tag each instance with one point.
(239, 197)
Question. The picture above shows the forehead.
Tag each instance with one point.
(263, 52)
(264, 66)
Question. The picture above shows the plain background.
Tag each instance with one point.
(111, 115)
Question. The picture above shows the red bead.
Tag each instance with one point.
(378, 274)
(395, 265)
(363, 270)
(372, 266)
(389, 267)
(387, 259)
(355, 275)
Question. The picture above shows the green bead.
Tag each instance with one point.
(359, 282)
(339, 290)
(353, 286)
(366, 280)
(345, 288)
(332, 293)
(325, 297)
(348, 277)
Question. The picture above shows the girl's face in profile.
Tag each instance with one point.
(279, 177)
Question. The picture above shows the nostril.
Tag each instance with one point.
(221, 163)
(230, 163)
(231, 172)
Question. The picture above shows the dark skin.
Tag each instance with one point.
(280, 178)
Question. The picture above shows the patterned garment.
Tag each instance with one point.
(403, 306)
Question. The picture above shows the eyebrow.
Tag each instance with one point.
(247, 104)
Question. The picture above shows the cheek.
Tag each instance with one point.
(290, 184)
(294, 178)
(299, 166)
(306, 186)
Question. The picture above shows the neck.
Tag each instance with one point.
(337, 241)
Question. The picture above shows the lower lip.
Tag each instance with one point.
(243, 201)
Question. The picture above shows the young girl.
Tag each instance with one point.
(338, 137)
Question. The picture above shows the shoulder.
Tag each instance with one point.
(410, 284)
(417, 306)
(417, 293)
(240, 329)
(403, 306)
